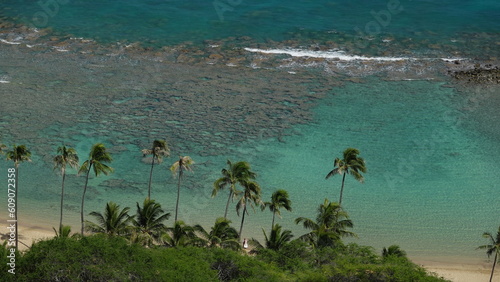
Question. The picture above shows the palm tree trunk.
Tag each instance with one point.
(83, 196)
(243, 220)
(342, 189)
(494, 263)
(62, 199)
(227, 204)
(151, 177)
(272, 225)
(17, 204)
(178, 193)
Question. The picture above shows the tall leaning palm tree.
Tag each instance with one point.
(113, 222)
(98, 156)
(329, 227)
(158, 151)
(350, 164)
(65, 157)
(250, 196)
(492, 247)
(18, 154)
(178, 168)
(238, 173)
(279, 199)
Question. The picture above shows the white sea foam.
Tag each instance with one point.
(4, 79)
(9, 42)
(60, 49)
(449, 60)
(340, 55)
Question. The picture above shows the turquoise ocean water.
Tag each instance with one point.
(196, 74)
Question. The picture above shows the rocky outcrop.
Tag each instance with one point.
(479, 74)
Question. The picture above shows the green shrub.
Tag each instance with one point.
(394, 269)
(294, 256)
(233, 266)
(6, 261)
(104, 258)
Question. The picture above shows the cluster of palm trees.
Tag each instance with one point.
(331, 224)
(147, 225)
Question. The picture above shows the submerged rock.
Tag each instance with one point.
(480, 74)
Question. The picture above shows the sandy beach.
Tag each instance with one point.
(459, 271)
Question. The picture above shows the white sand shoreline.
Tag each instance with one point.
(459, 270)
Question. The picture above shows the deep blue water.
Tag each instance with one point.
(172, 22)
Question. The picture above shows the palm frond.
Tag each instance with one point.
(333, 172)
(101, 168)
(65, 156)
(357, 175)
(18, 154)
(84, 168)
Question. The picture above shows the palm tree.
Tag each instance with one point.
(180, 235)
(113, 222)
(148, 222)
(393, 250)
(64, 232)
(238, 173)
(159, 149)
(279, 199)
(350, 164)
(97, 158)
(2, 148)
(250, 196)
(18, 154)
(184, 163)
(492, 247)
(330, 225)
(221, 234)
(65, 156)
(278, 238)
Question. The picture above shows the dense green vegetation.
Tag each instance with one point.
(112, 258)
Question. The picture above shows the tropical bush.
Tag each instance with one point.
(112, 258)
